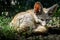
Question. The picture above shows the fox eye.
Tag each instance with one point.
(42, 19)
(47, 19)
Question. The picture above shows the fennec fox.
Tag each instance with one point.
(35, 18)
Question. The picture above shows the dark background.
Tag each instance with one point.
(22, 5)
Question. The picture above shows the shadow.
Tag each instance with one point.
(51, 31)
(54, 31)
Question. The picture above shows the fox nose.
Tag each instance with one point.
(43, 23)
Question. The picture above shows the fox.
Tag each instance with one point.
(35, 18)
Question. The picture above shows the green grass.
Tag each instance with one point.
(57, 14)
(5, 31)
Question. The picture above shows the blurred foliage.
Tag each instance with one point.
(5, 30)
(15, 6)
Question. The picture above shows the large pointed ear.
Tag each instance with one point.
(52, 9)
(38, 7)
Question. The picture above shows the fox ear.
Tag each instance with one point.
(52, 9)
(38, 7)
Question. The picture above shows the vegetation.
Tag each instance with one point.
(8, 33)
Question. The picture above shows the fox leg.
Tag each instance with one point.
(40, 29)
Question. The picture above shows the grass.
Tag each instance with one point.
(5, 31)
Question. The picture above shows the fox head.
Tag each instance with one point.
(44, 14)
